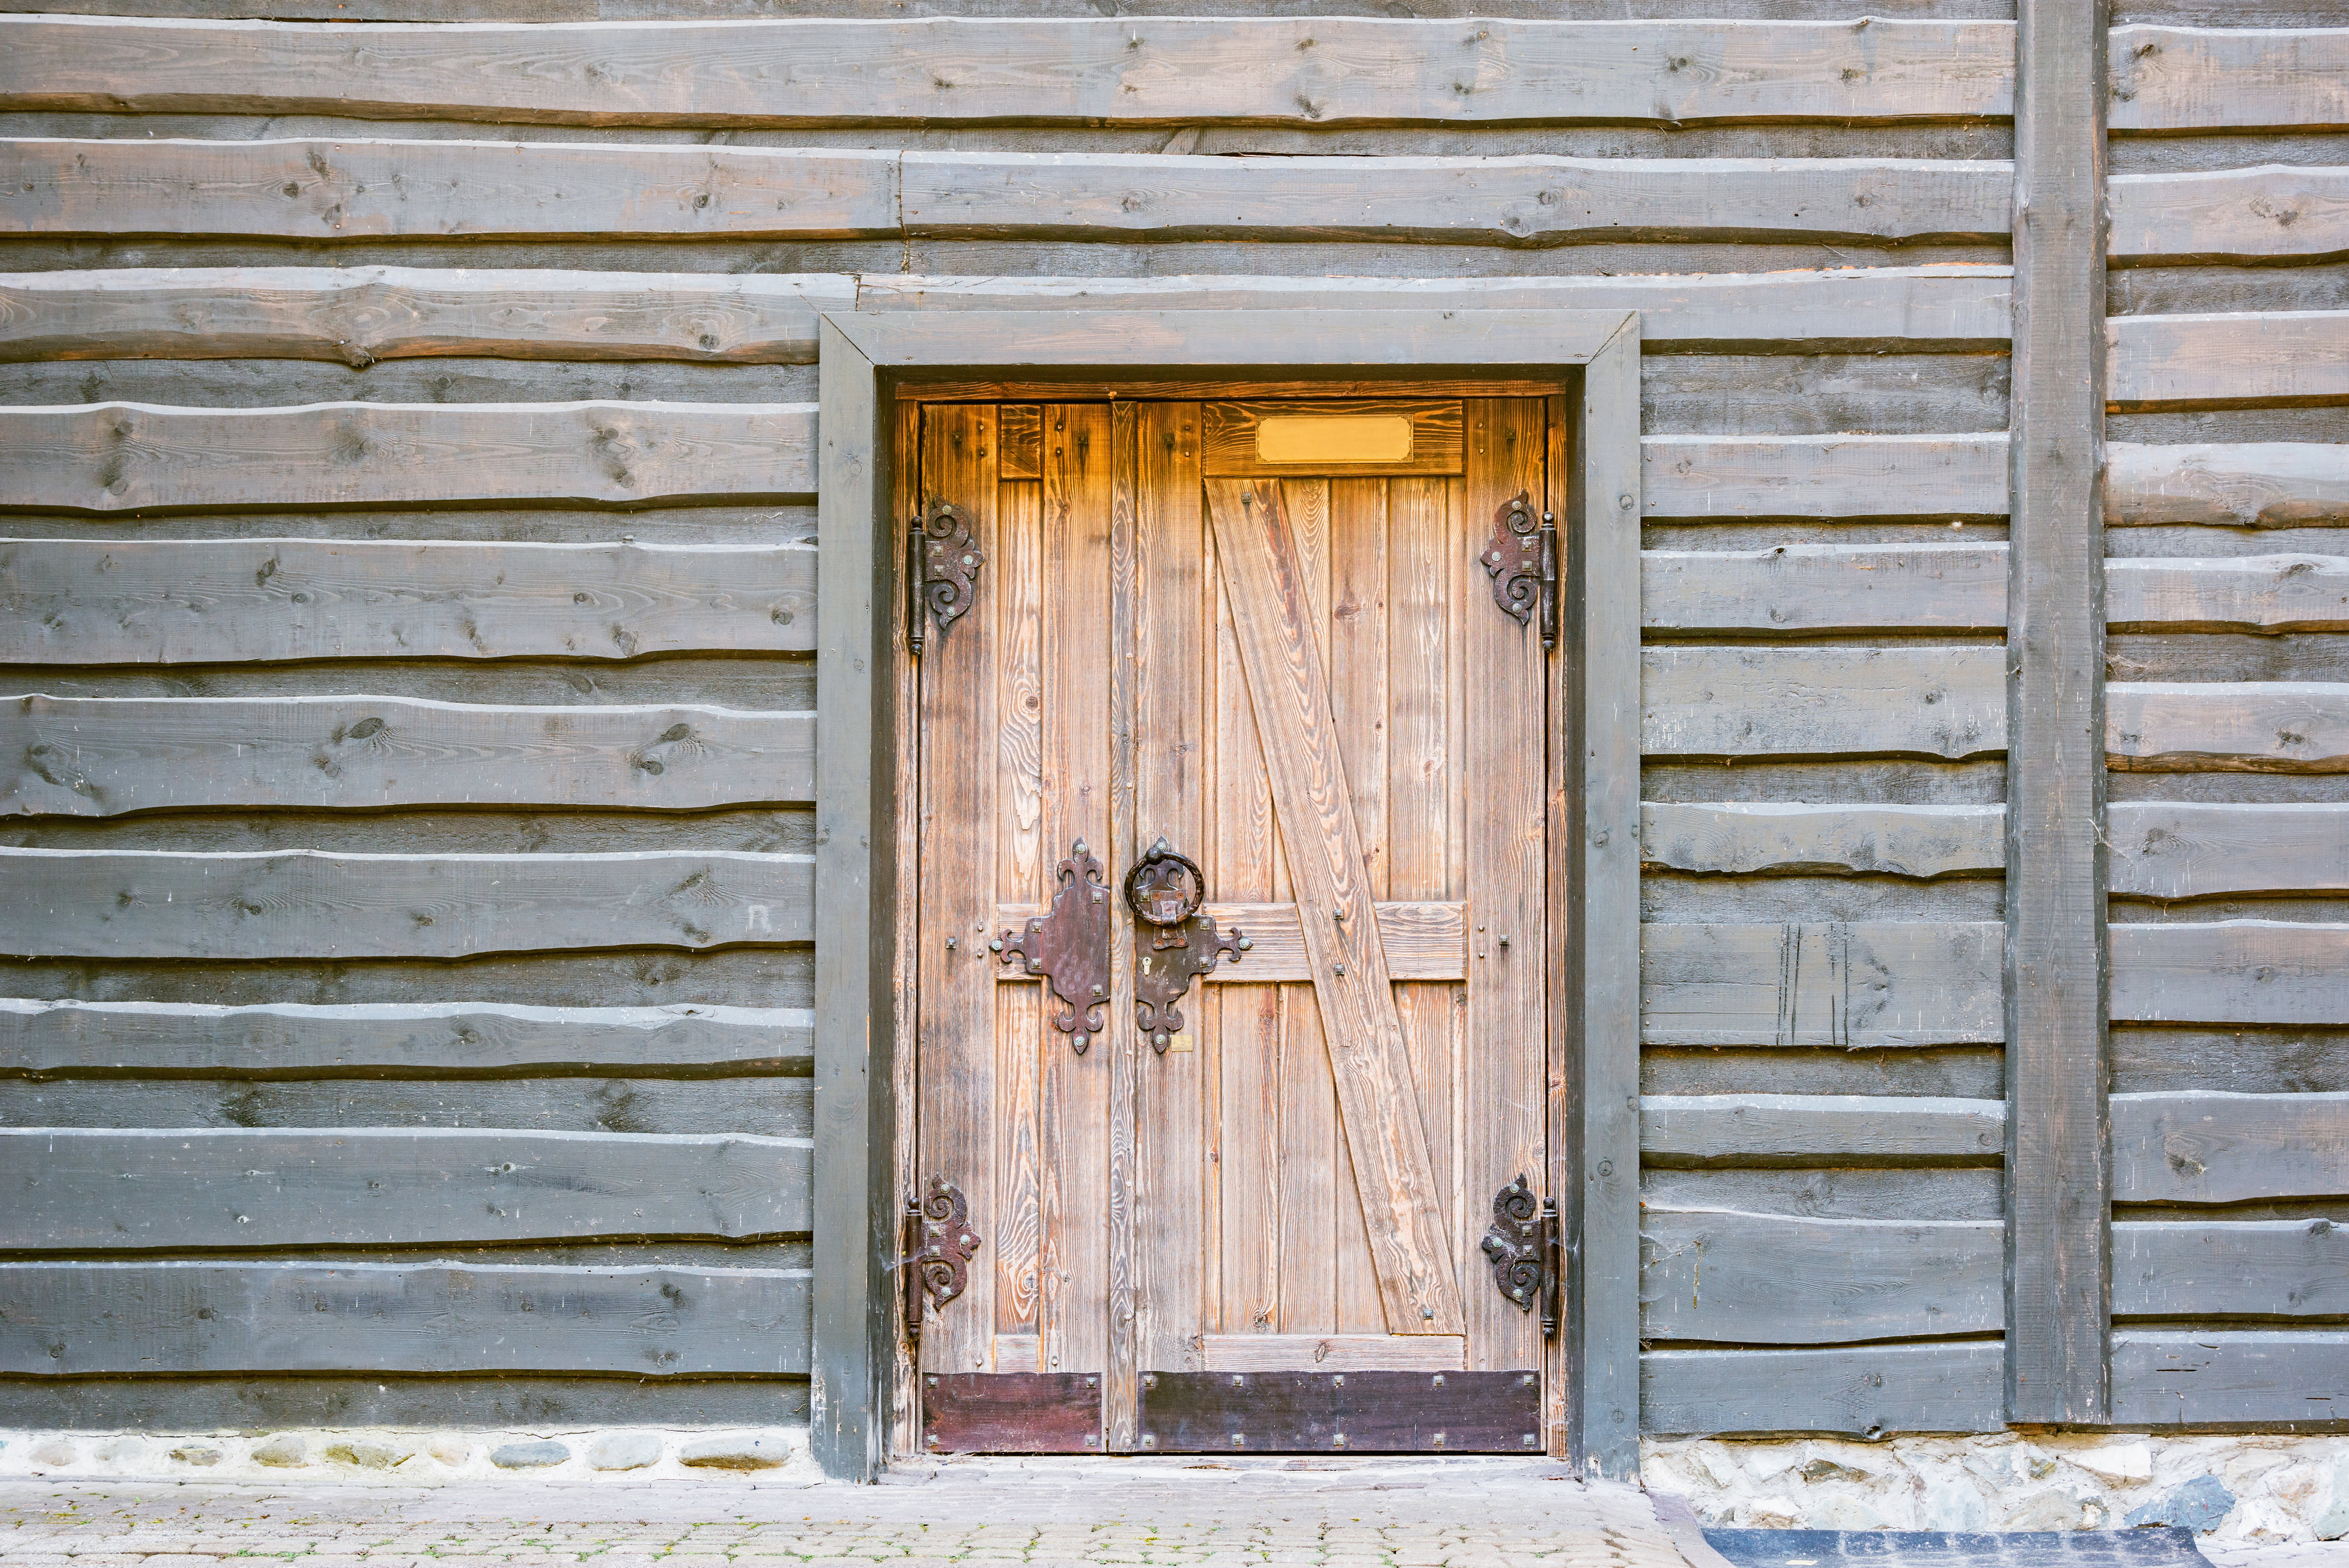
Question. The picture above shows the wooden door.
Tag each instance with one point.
(1262, 635)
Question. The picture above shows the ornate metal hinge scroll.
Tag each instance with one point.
(1523, 1244)
(938, 1246)
(1070, 947)
(942, 563)
(1521, 557)
(1173, 942)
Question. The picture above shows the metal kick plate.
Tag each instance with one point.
(1011, 1413)
(1340, 1412)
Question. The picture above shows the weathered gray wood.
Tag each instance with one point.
(1865, 1392)
(1886, 840)
(2232, 971)
(127, 457)
(1824, 588)
(2227, 360)
(1774, 1279)
(70, 601)
(103, 756)
(2266, 484)
(1320, 70)
(2263, 1378)
(2150, 1057)
(2268, 594)
(1814, 701)
(2252, 726)
(285, 1038)
(362, 315)
(2204, 1147)
(2270, 1268)
(2179, 849)
(76, 1190)
(2212, 79)
(1830, 1190)
(312, 904)
(2274, 210)
(1688, 1131)
(1825, 476)
(85, 1319)
(1883, 985)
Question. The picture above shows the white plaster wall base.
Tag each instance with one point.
(400, 1457)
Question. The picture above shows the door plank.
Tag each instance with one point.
(1122, 1379)
(1023, 868)
(1373, 1352)
(1258, 559)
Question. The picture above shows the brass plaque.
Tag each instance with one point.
(1333, 438)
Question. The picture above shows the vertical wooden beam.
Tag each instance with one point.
(2058, 1169)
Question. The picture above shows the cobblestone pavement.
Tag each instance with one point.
(1443, 1513)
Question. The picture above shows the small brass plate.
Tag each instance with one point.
(1333, 438)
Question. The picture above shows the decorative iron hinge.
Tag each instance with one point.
(938, 1245)
(1070, 946)
(942, 563)
(1521, 557)
(1173, 942)
(1523, 1244)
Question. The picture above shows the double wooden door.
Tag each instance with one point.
(1256, 649)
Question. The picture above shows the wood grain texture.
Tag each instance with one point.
(1695, 1130)
(2274, 211)
(312, 904)
(2232, 972)
(1864, 1392)
(1774, 1279)
(291, 1039)
(1332, 1353)
(1791, 588)
(1945, 702)
(1702, 476)
(2253, 726)
(2208, 1148)
(1876, 840)
(1876, 985)
(360, 316)
(184, 1188)
(1424, 939)
(89, 1319)
(2179, 849)
(2217, 1379)
(2215, 79)
(2263, 485)
(2264, 594)
(1229, 437)
(74, 601)
(2227, 360)
(1323, 70)
(135, 457)
(104, 756)
(2273, 1268)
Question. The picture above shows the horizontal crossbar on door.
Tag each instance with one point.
(1425, 939)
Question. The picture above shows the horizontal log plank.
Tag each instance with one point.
(131, 457)
(2186, 849)
(2227, 79)
(2273, 1268)
(1877, 985)
(2230, 214)
(2266, 593)
(1332, 1353)
(1865, 1391)
(358, 315)
(1700, 476)
(2248, 726)
(2202, 1147)
(1777, 1279)
(2227, 359)
(1688, 1131)
(1825, 587)
(309, 904)
(1884, 840)
(1948, 702)
(224, 601)
(2258, 484)
(2230, 971)
(1427, 940)
(77, 1190)
(1323, 70)
(104, 756)
(2261, 1378)
(294, 1040)
(93, 1319)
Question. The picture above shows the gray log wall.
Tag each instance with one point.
(409, 582)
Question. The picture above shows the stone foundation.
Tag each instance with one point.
(411, 1458)
(2245, 1488)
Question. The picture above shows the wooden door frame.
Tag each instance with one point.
(863, 1048)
